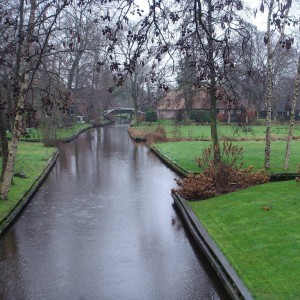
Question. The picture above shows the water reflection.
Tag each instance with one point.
(103, 226)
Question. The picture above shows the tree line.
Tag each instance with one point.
(57, 56)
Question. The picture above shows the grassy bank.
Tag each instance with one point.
(226, 132)
(61, 133)
(184, 153)
(32, 159)
(258, 230)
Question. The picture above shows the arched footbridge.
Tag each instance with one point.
(111, 113)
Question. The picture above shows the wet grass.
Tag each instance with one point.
(184, 153)
(36, 134)
(226, 132)
(258, 230)
(32, 159)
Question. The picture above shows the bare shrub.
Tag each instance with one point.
(158, 135)
(220, 177)
(231, 155)
(196, 187)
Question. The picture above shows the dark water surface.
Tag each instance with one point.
(103, 226)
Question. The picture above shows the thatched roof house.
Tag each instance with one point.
(174, 102)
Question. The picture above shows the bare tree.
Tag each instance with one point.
(31, 47)
(278, 12)
(169, 26)
(292, 117)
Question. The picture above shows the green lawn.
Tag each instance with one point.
(68, 132)
(258, 230)
(32, 159)
(202, 132)
(36, 134)
(184, 153)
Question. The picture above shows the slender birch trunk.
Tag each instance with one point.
(292, 118)
(17, 125)
(269, 90)
(269, 80)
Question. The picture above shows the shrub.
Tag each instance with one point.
(242, 128)
(158, 135)
(221, 176)
(230, 154)
(204, 186)
(200, 116)
(222, 117)
(195, 187)
(151, 116)
(251, 116)
(241, 118)
(179, 116)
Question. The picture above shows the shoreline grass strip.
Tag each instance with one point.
(184, 153)
(32, 159)
(258, 230)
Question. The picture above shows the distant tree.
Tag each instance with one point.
(292, 117)
(278, 17)
(208, 23)
(186, 79)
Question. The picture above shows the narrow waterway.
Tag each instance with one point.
(102, 226)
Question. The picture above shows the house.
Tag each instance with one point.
(174, 105)
(286, 113)
(170, 106)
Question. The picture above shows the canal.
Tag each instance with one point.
(102, 226)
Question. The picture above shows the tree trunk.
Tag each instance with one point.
(18, 120)
(74, 66)
(292, 118)
(269, 91)
(269, 80)
(17, 131)
(18, 61)
(229, 116)
(134, 95)
(213, 86)
(4, 143)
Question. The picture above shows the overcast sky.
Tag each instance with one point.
(261, 19)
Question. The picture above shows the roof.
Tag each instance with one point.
(174, 100)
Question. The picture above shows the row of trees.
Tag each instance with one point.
(53, 58)
(56, 55)
(219, 51)
(42, 43)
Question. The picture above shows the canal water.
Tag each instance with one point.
(102, 226)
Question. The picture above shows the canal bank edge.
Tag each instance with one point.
(171, 164)
(228, 276)
(18, 208)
